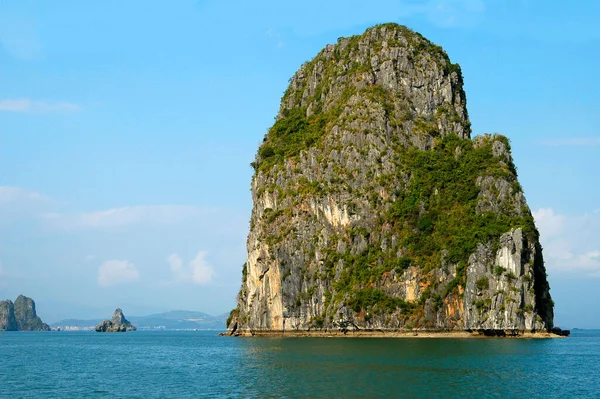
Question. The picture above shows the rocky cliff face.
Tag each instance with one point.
(26, 316)
(20, 316)
(118, 323)
(7, 316)
(374, 208)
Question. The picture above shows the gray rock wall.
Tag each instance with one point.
(500, 292)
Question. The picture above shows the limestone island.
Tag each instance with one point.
(376, 213)
(118, 323)
(20, 316)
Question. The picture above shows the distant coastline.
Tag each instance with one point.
(176, 320)
(146, 328)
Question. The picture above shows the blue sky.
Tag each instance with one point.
(127, 129)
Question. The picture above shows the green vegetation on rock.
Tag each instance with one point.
(295, 130)
(439, 209)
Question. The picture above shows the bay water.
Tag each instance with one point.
(200, 364)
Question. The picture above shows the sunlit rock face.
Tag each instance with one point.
(374, 208)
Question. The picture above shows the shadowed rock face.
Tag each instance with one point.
(374, 208)
(7, 316)
(118, 323)
(20, 316)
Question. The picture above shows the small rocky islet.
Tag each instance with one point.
(375, 210)
(118, 323)
(20, 316)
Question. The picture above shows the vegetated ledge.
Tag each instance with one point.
(416, 333)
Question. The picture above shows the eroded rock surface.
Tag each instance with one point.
(373, 208)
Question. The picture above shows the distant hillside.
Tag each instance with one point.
(173, 320)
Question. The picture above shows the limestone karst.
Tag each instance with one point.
(373, 206)
(20, 316)
(118, 323)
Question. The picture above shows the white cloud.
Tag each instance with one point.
(571, 243)
(113, 272)
(176, 266)
(125, 216)
(198, 271)
(27, 105)
(573, 142)
(548, 222)
(202, 272)
(10, 194)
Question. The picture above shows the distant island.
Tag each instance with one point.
(20, 316)
(118, 323)
(172, 320)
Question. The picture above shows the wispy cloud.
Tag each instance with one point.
(29, 106)
(10, 194)
(276, 36)
(271, 32)
(202, 272)
(572, 142)
(125, 216)
(176, 266)
(113, 272)
(571, 243)
(198, 271)
(18, 204)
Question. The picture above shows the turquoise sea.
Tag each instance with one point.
(203, 365)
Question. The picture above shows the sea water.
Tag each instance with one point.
(201, 364)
